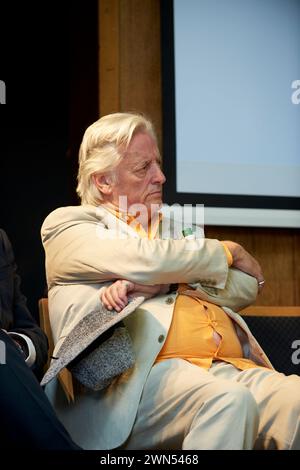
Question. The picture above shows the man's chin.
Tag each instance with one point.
(154, 201)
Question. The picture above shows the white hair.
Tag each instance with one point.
(102, 148)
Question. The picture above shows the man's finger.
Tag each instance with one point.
(105, 301)
(113, 298)
(261, 285)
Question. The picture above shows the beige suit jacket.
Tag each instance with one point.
(87, 248)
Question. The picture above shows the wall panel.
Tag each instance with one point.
(129, 65)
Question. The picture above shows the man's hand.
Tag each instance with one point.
(116, 296)
(243, 261)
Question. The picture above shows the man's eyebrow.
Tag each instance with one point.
(139, 159)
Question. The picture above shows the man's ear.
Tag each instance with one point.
(103, 183)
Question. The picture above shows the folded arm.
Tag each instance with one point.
(239, 292)
(78, 254)
(116, 296)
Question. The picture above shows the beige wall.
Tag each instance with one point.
(130, 79)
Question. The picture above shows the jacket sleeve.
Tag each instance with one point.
(240, 291)
(18, 317)
(81, 252)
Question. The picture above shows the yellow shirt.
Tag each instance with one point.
(200, 331)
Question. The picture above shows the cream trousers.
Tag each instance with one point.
(186, 407)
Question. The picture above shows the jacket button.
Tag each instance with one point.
(161, 338)
(169, 300)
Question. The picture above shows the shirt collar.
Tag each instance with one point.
(132, 220)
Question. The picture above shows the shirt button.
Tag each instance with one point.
(169, 300)
(161, 338)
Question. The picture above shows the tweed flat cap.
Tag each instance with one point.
(107, 359)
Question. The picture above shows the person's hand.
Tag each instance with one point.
(116, 295)
(20, 346)
(243, 261)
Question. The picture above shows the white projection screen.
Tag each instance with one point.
(231, 109)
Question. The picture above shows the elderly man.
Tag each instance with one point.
(200, 380)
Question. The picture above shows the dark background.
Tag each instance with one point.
(49, 63)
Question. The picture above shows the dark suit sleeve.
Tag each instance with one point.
(15, 315)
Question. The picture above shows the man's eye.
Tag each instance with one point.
(144, 167)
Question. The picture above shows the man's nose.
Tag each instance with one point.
(158, 175)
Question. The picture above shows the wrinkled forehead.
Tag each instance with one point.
(135, 158)
(142, 146)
